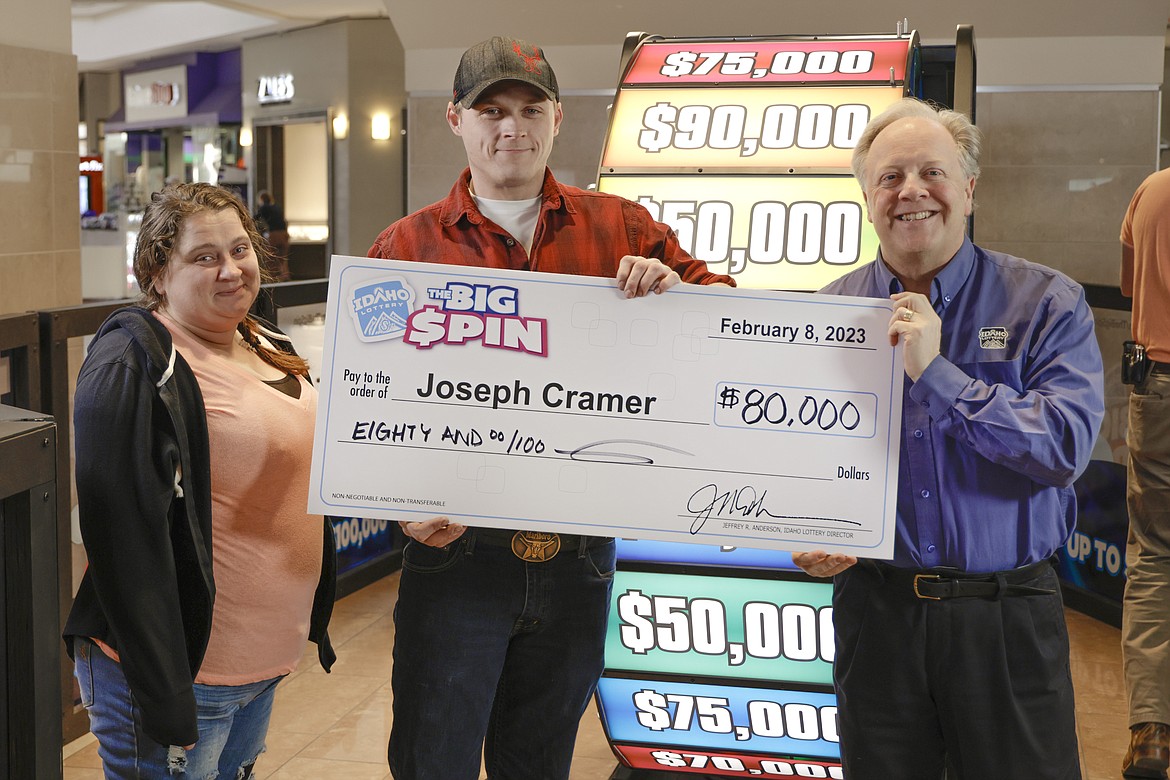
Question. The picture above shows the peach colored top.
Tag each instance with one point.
(266, 550)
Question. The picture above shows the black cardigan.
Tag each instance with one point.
(140, 423)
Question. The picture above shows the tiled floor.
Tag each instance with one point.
(334, 727)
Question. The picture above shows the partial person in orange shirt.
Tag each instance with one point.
(193, 430)
(1145, 628)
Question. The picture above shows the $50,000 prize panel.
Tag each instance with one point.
(806, 231)
(723, 675)
(779, 630)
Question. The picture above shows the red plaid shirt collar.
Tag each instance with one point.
(460, 203)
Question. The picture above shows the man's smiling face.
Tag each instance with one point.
(917, 194)
(508, 135)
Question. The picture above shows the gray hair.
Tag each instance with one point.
(968, 139)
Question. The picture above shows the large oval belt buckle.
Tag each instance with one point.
(535, 546)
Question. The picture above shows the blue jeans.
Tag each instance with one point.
(233, 721)
(495, 655)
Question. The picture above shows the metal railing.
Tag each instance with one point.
(30, 635)
(20, 344)
(57, 326)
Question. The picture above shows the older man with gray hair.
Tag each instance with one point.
(954, 656)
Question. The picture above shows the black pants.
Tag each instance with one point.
(977, 685)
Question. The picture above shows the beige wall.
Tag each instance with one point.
(37, 24)
(1059, 168)
(374, 193)
(40, 254)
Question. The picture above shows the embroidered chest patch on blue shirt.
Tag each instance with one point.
(993, 338)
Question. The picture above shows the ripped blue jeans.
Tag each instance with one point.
(233, 722)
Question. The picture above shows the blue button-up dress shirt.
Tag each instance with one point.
(1002, 422)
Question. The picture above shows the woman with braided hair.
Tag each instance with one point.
(193, 433)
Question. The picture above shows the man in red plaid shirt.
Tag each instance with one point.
(496, 652)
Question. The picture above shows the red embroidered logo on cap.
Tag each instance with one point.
(529, 60)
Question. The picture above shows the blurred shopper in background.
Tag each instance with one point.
(273, 226)
(1145, 628)
(193, 434)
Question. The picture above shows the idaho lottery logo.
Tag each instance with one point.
(467, 313)
(380, 310)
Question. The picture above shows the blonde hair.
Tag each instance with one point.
(968, 139)
(162, 222)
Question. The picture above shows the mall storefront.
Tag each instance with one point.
(322, 118)
(179, 120)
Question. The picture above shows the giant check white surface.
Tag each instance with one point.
(541, 401)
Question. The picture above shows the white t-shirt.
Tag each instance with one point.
(518, 217)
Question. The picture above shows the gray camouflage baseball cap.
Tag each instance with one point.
(502, 59)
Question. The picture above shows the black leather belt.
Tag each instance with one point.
(942, 583)
(534, 546)
(1159, 368)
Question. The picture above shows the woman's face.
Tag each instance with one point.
(212, 276)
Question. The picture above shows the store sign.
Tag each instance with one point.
(275, 89)
(156, 94)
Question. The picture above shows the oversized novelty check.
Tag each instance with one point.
(546, 402)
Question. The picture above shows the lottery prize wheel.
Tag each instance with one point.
(718, 659)
(743, 146)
